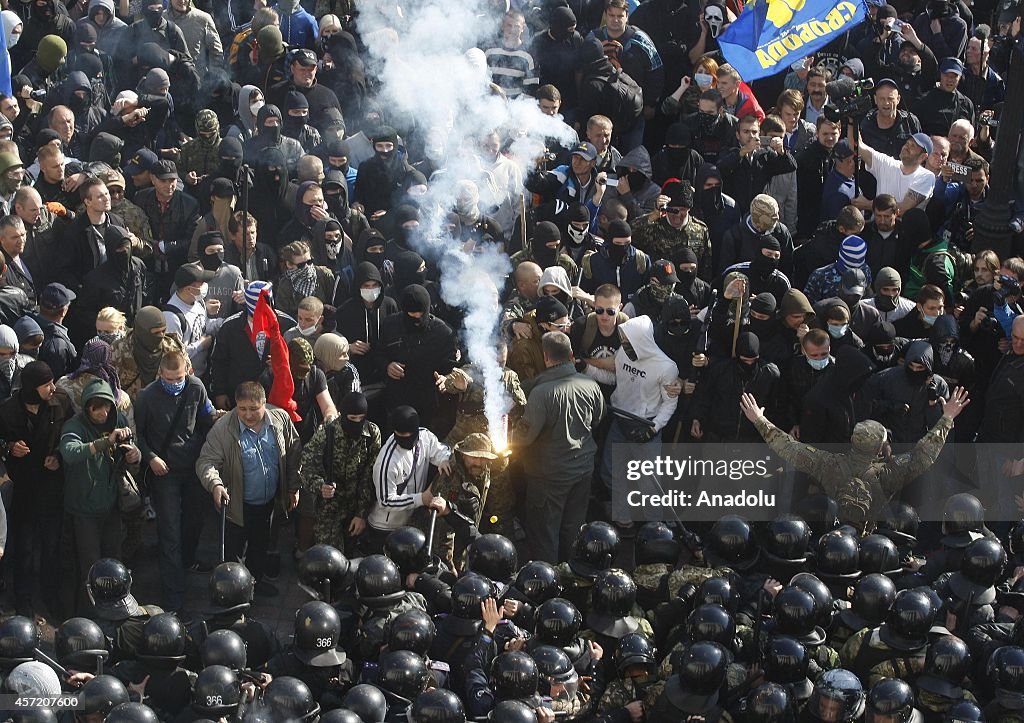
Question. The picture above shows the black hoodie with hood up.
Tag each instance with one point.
(900, 400)
(358, 321)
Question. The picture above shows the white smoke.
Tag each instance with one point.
(434, 82)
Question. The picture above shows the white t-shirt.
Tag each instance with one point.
(893, 181)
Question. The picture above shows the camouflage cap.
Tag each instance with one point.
(476, 445)
(207, 121)
(868, 436)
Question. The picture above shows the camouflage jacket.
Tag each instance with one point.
(373, 624)
(352, 469)
(658, 582)
(138, 223)
(660, 241)
(620, 692)
(514, 310)
(860, 482)
(575, 588)
(123, 359)
(462, 489)
(470, 416)
(879, 660)
(199, 156)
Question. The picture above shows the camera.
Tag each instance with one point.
(990, 325)
(1008, 286)
(37, 94)
(857, 102)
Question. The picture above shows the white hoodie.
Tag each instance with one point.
(640, 384)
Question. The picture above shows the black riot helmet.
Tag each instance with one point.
(718, 591)
(538, 581)
(321, 564)
(656, 543)
(231, 588)
(78, 642)
(216, 692)
(947, 663)
(891, 698)
(513, 675)
(900, 523)
(468, 592)
(109, 586)
(731, 544)
(785, 660)
(163, 639)
(836, 686)
(101, 694)
(557, 678)
(611, 600)
(837, 556)
(711, 622)
(412, 630)
(19, 638)
(796, 614)
(964, 711)
(407, 548)
(437, 705)
(289, 698)
(873, 596)
(769, 703)
(224, 647)
(786, 539)
(340, 715)
(981, 567)
(511, 711)
(810, 583)
(557, 622)
(1006, 671)
(403, 673)
(378, 582)
(366, 701)
(594, 549)
(493, 556)
(701, 667)
(878, 553)
(132, 713)
(962, 514)
(317, 633)
(635, 649)
(909, 620)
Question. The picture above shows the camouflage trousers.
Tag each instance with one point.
(331, 524)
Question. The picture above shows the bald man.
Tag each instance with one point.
(527, 280)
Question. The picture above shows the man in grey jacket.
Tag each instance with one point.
(557, 435)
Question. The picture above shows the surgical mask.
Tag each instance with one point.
(703, 80)
(576, 235)
(110, 336)
(929, 320)
(818, 364)
(308, 332)
(13, 39)
(837, 331)
(370, 295)
(173, 388)
(254, 107)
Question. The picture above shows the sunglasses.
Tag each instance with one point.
(675, 209)
(609, 311)
(303, 264)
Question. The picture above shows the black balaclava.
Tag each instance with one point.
(230, 154)
(77, 80)
(336, 194)
(561, 18)
(748, 345)
(763, 303)
(415, 299)
(405, 419)
(293, 125)
(685, 255)
(303, 210)
(369, 237)
(116, 240)
(210, 262)
(338, 149)
(153, 17)
(273, 135)
(919, 351)
(709, 201)
(407, 270)
(385, 134)
(352, 403)
(106, 148)
(544, 233)
(616, 252)
(34, 375)
(762, 266)
(272, 174)
(45, 13)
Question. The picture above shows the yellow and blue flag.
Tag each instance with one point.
(771, 35)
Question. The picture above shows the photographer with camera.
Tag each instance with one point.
(981, 330)
(942, 29)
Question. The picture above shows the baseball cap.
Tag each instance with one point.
(887, 82)
(143, 160)
(665, 272)
(57, 295)
(923, 140)
(842, 150)
(305, 57)
(585, 151)
(854, 282)
(951, 65)
(164, 170)
(115, 179)
(189, 274)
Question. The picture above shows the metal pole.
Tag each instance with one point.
(223, 527)
(430, 537)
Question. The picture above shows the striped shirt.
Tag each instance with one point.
(512, 70)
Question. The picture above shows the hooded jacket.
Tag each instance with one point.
(638, 200)
(952, 362)
(357, 322)
(640, 383)
(245, 122)
(267, 138)
(557, 276)
(901, 403)
(827, 412)
(51, 20)
(201, 37)
(108, 35)
(88, 115)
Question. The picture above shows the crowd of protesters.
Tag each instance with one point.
(220, 290)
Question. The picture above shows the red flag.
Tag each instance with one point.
(264, 321)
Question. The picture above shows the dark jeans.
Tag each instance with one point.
(251, 541)
(555, 510)
(94, 538)
(180, 502)
(37, 527)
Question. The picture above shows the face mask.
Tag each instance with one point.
(212, 262)
(13, 40)
(929, 320)
(407, 442)
(706, 121)
(818, 364)
(355, 429)
(333, 247)
(254, 108)
(686, 277)
(374, 257)
(575, 235)
(837, 331)
(715, 19)
(386, 155)
(7, 369)
(272, 133)
(110, 336)
(616, 253)
(369, 295)
(886, 303)
(153, 17)
(173, 388)
(660, 292)
(917, 377)
(412, 323)
(637, 180)
(884, 354)
(308, 332)
(703, 80)
(711, 201)
(764, 264)
(946, 347)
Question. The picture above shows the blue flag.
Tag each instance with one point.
(771, 35)
(5, 64)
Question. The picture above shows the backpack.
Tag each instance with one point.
(628, 102)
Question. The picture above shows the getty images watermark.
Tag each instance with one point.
(675, 470)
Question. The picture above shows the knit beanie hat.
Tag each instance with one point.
(415, 299)
(156, 82)
(748, 345)
(770, 243)
(852, 252)
(578, 212)
(618, 229)
(207, 121)
(85, 32)
(591, 51)
(252, 294)
(763, 303)
(545, 232)
(270, 42)
(353, 403)
(8, 338)
(34, 375)
(51, 51)
(888, 276)
(405, 419)
(764, 212)
(26, 327)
